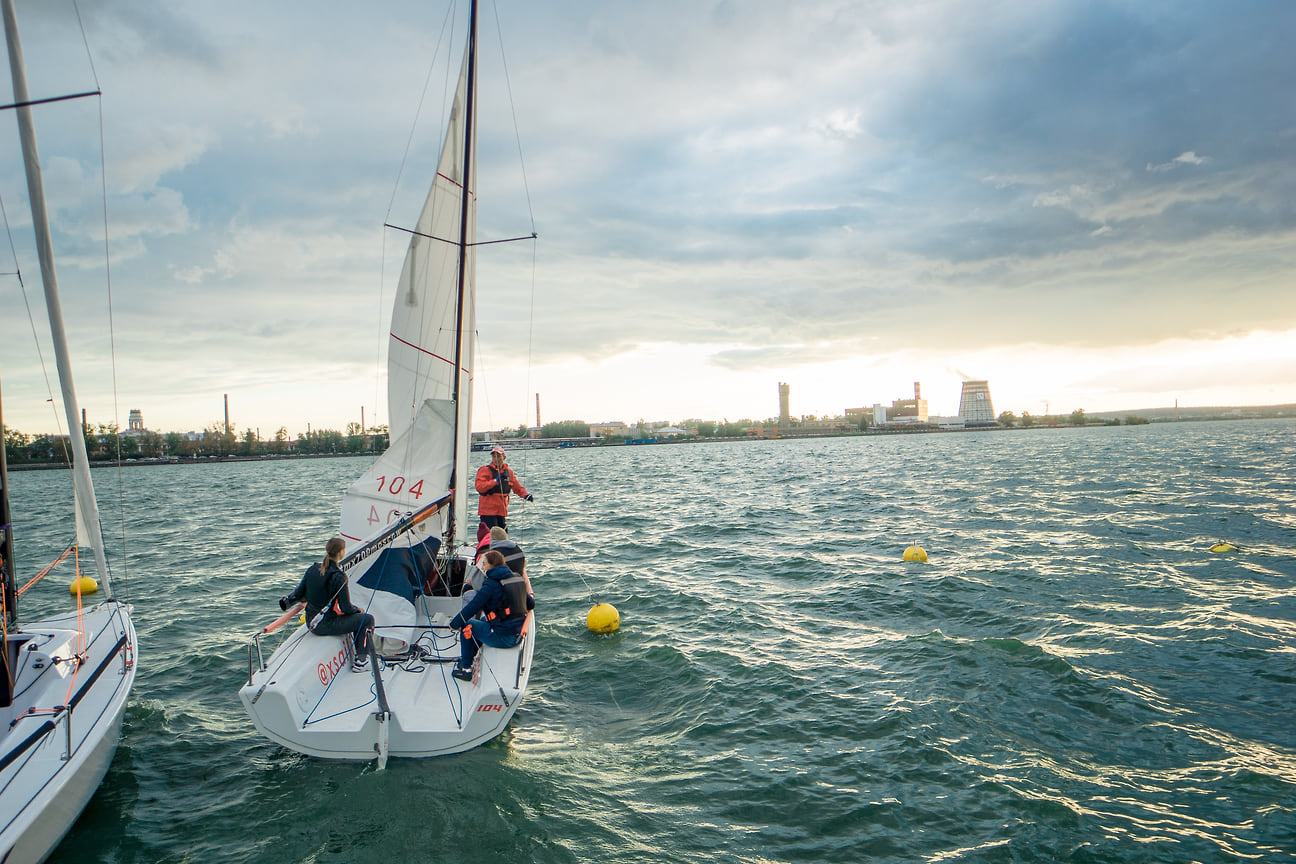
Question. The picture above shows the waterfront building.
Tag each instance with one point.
(785, 414)
(135, 425)
(615, 429)
(909, 411)
(975, 406)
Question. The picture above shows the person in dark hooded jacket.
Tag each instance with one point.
(502, 603)
(329, 611)
(514, 557)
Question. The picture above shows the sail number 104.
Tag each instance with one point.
(395, 486)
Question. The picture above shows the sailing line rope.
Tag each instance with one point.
(112, 331)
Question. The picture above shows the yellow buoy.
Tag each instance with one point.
(1221, 546)
(603, 618)
(916, 553)
(84, 585)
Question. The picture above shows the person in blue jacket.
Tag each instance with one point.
(502, 602)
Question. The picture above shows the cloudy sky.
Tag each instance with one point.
(1089, 204)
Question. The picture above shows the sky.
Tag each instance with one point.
(1091, 205)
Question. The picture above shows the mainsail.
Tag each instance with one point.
(429, 370)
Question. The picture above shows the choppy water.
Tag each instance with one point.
(1071, 677)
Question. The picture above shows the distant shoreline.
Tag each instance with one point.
(524, 444)
(186, 460)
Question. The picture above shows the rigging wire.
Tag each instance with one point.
(447, 22)
(31, 319)
(112, 330)
(517, 136)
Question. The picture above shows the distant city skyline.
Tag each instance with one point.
(139, 416)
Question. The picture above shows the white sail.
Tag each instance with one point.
(422, 391)
(405, 479)
(87, 509)
(422, 350)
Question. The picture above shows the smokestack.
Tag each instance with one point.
(226, 413)
(362, 420)
(537, 410)
(917, 390)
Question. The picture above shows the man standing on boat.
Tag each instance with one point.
(494, 483)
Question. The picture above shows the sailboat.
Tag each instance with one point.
(66, 678)
(405, 521)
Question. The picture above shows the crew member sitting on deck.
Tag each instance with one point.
(329, 611)
(512, 552)
(494, 482)
(503, 602)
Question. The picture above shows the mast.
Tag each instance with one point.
(87, 508)
(462, 394)
(6, 535)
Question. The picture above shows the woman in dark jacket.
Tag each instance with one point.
(502, 602)
(329, 611)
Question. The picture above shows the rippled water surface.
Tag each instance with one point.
(1072, 676)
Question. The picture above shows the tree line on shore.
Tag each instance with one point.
(104, 443)
(643, 429)
(1075, 418)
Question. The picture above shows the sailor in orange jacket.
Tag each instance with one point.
(494, 482)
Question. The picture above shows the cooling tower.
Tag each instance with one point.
(974, 405)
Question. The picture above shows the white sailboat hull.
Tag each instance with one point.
(307, 698)
(55, 758)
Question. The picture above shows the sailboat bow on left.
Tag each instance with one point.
(66, 678)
